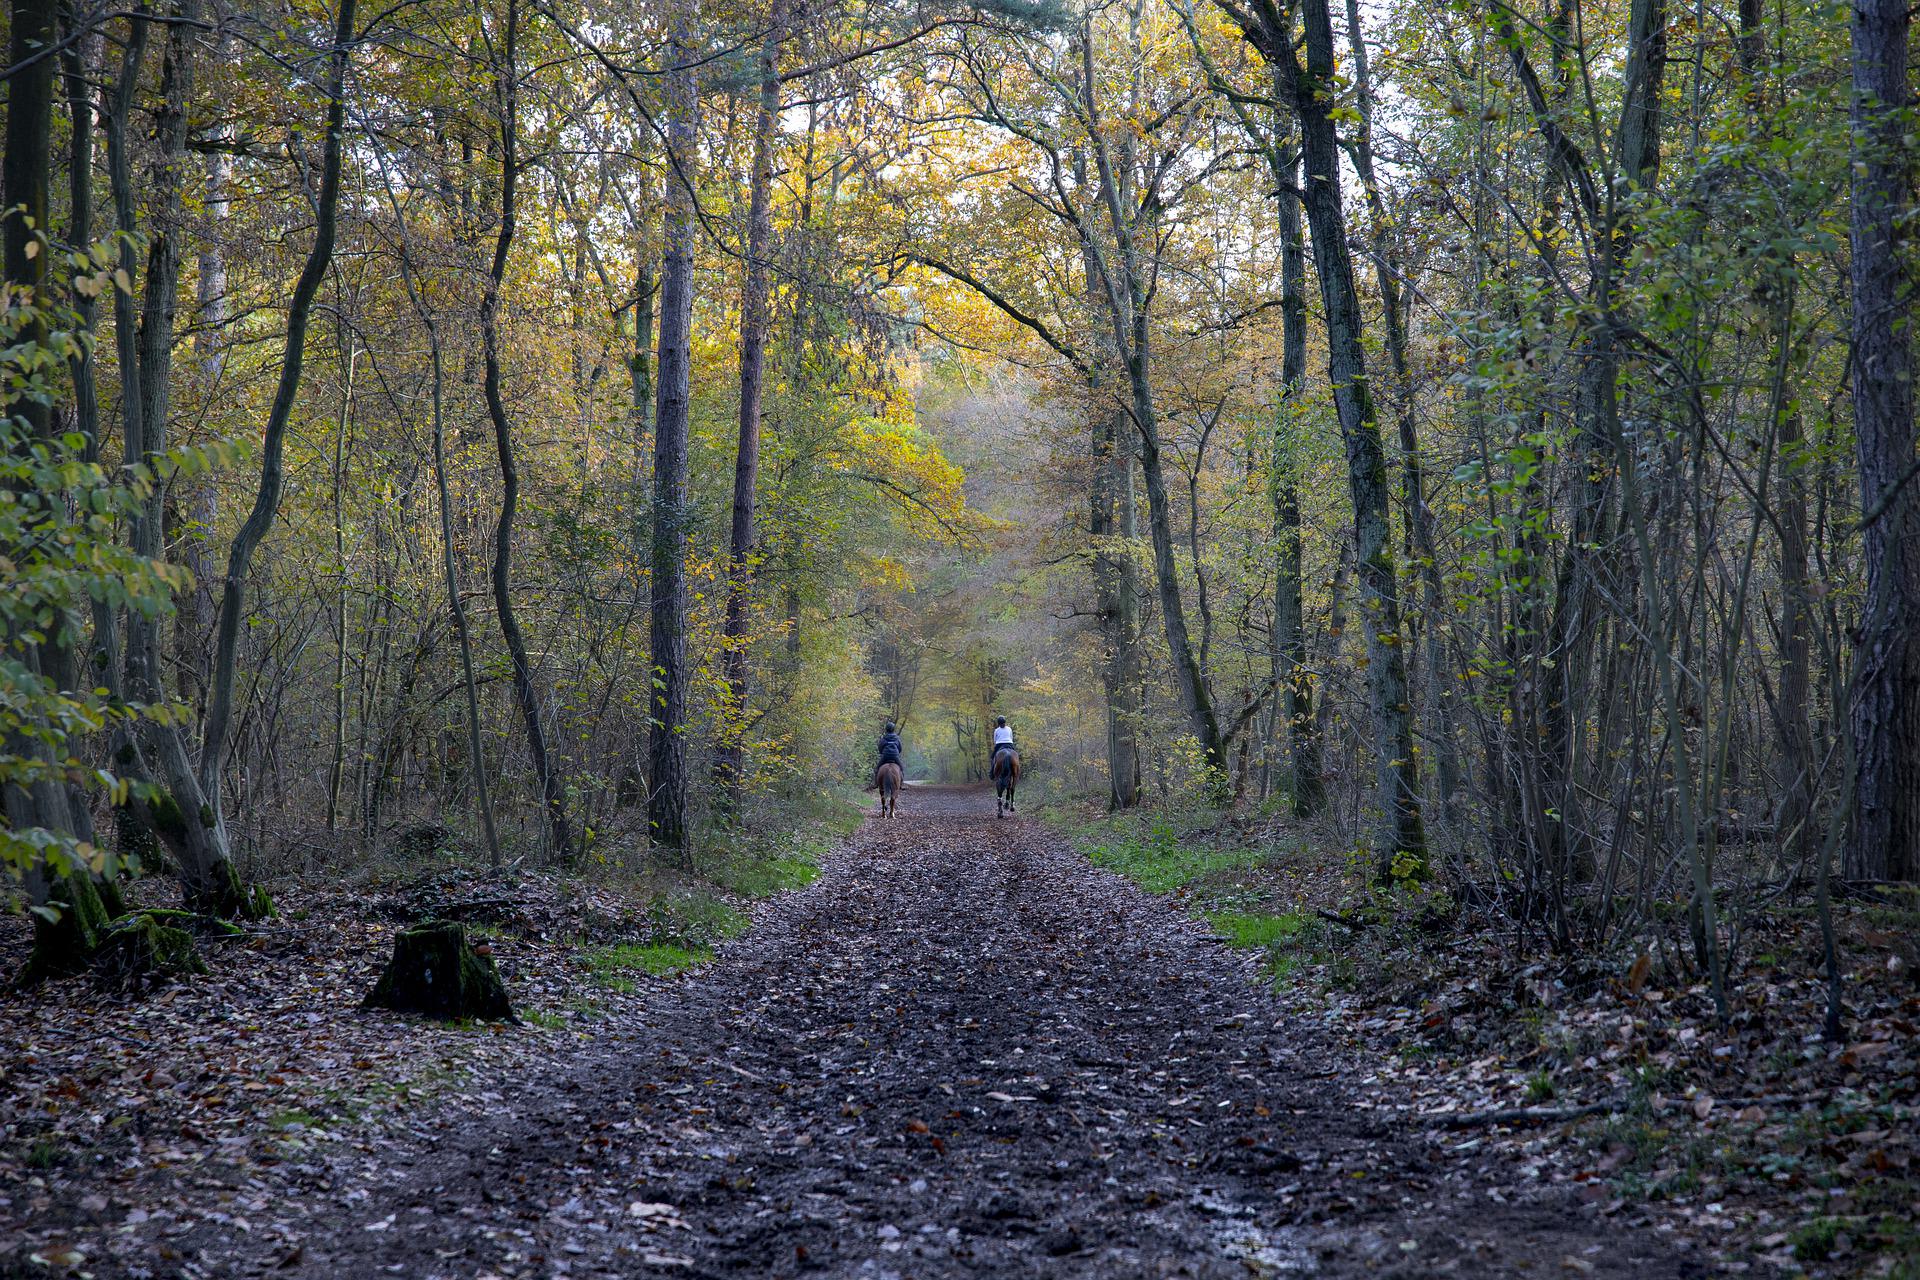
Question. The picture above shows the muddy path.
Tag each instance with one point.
(962, 1052)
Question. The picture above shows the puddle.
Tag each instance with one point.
(1276, 1251)
(1279, 1251)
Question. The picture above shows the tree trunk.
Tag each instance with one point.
(181, 815)
(1417, 514)
(78, 66)
(1116, 593)
(196, 617)
(1883, 842)
(666, 739)
(729, 763)
(1793, 818)
(1289, 631)
(266, 501)
(1398, 833)
(546, 771)
(1128, 307)
(1195, 698)
(64, 943)
(1112, 520)
(646, 291)
(337, 765)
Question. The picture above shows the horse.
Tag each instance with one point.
(1006, 776)
(887, 778)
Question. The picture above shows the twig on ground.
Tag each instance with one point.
(1518, 1115)
(1346, 921)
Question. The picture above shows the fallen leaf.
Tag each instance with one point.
(1637, 974)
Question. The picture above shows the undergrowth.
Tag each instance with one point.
(1236, 888)
(1159, 861)
(1755, 1133)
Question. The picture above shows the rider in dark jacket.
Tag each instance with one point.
(890, 747)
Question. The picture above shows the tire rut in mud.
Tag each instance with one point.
(962, 1052)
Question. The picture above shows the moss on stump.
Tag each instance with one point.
(82, 909)
(434, 971)
(146, 949)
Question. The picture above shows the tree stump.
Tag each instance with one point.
(146, 949)
(434, 971)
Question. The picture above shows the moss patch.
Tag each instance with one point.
(145, 950)
(615, 967)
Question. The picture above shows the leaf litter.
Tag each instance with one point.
(961, 1052)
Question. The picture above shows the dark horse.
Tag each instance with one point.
(1006, 776)
(887, 778)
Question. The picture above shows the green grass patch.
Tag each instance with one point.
(1280, 967)
(543, 1018)
(1813, 1241)
(1218, 883)
(1159, 863)
(1289, 940)
(1247, 929)
(294, 1117)
(614, 967)
(695, 919)
(752, 877)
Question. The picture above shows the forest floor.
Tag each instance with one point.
(1603, 1069)
(962, 1051)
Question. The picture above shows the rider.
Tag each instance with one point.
(1002, 741)
(890, 748)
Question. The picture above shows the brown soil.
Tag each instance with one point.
(962, 1052)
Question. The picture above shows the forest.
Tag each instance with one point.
(1429, 483)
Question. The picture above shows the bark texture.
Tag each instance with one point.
(1398, 833)
(666, 738)
(1304, 764)
(729, 766)
(1883, 842)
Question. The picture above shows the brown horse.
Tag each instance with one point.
(1006, 777)
(887, 778)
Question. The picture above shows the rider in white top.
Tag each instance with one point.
(1002, 737)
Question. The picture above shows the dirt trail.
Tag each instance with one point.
(961, 1052)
